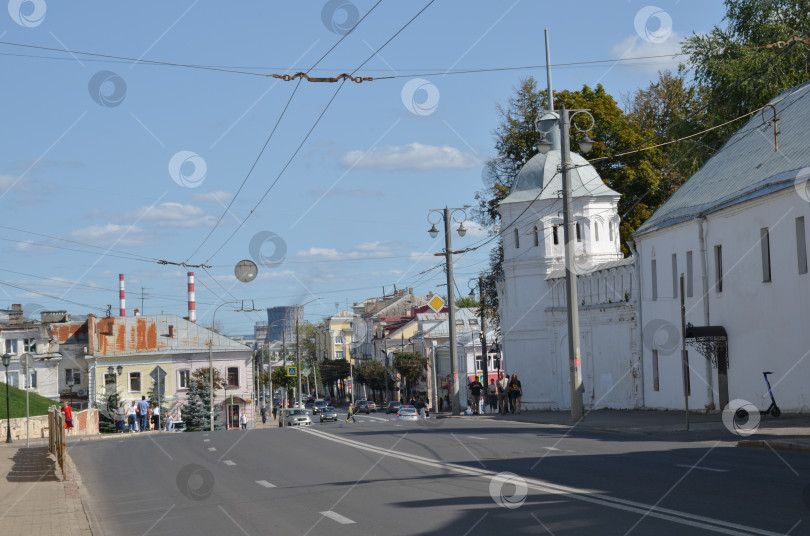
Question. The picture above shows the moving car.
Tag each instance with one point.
(295, 417)
(176, 426)
(361, 406)
(372, 406)
(318, 406)
(393, 407)
(407, 413)
(328, 413)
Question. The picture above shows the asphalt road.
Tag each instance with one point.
(441, 476)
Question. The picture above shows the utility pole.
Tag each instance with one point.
(142, 298)
(451, 308)
(298, 359)
(684, 358)
(484, 353)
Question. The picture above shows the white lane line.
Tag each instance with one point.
(702, 468)
(337, 517)
(579, 494)
(265, 483)
(212, 449)
(551, 448)
(373, 418)
(476, 437)
(229, 462)
(206, 440)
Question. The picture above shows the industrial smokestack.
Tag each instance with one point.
(192, 301)
(122, 301)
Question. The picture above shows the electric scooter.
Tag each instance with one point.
(773, 409)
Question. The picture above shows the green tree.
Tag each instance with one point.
(106, 412)
(372, 373)
(152, 398)
(467, 302)
(739, 77)
(411, 367)
(196, 414)
(332, 371)
(201, 375)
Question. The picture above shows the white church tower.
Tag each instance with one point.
(533, 251)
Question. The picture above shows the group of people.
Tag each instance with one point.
(505, 394)
(138, 417)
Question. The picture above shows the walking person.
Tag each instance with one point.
(264, 415)
(155, 417)
(350, 415)
(68, 411)
(492, 395)
(168, 421)
(243, 421)
(120, 418)
(515, 393)
(476, 387)
(143, 414)
(501, 387)
(132, 412)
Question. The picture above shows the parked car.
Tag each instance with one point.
(407, 413)
(393, 406)
(328, 413)
(318, 406)
(372, 406)
(364, 406)
(295, 417)
(178, 426)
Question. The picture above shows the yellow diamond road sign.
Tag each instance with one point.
(436, 303)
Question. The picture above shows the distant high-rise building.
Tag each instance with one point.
(260, 331)
(282, 319)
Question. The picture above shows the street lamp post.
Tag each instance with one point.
(447, 214)
(346, 333)
(6, 363)
(298, 349)
(585, 145)
(211, 364)
(71, 381)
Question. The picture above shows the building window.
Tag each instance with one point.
(185, 379)
(554, 232)
(536, 237)
(718, 268)
(765, 249)
(656, 385)
(339, 339)
(11, 346)
(29, 345)
(339, 355)
(610, 230)
(14, 379)
(801, 245)
(134, 382)
(579, 233)
(654, 279)
(76, 374)
(689, 274)
(109, 384)
(674, 275)
(596, 231)
(33, 379)
(233, 377)
(517, 239)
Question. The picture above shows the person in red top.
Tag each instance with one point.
(67, 410)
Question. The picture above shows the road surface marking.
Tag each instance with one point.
(476, 437)
(551, 448)
(212, 449)
(337, 517)
(373, 418)
(702, 468)
(580, 494)
(265, 483)
(206, 440)
(229, 462)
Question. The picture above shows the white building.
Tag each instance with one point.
(737, 231)
(531, 292)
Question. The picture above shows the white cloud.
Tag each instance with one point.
(412, 157)
(634, 46)
(364, 250)
(19, 183)
(475, 230)
(344, 192)
(218, 196)
(113, 235)
(330, 253)
(174, 215)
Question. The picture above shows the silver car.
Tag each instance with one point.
(328, 413)
(295, 417)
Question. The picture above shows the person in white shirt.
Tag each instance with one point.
(501, 387)
(243, 421)
(131, 417)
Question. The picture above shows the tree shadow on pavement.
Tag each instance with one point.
(33, 465)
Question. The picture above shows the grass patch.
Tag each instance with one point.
(38, 405)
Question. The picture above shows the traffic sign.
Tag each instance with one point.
(481, 378)
(436, 303)
(291, 371)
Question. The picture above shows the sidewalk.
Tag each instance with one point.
(788, 432)
(34, 499)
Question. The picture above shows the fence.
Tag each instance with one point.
(56, 435)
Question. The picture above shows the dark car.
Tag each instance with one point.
(309, 405)
(328, 413)
(318, 406)
(393, 406)
(361, 406)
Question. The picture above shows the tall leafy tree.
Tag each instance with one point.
(411, 367)
(196, 412)
(106, 406)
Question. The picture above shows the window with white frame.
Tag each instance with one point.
(134, 382)
(32, 379)
(536, 236)
(765, 250)
(233, 376)
(14, 379)
(110, 386)
(688, 274)
(654, 279)
(555, 233)
(185, 379)
(75, 373)
(340, 355)
(718, 268)
(11, 346)
(29, 345)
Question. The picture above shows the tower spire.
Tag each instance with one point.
(548, 76)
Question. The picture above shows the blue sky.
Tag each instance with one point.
(141, 160)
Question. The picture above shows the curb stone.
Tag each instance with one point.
(776, 445)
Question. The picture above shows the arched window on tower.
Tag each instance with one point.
(579, 233)
(517, 239)
(556, 235)
(596, 231)
(536, 237)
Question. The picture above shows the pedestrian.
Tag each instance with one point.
(132, 412)
(275, 412)
(168, 421)
(441, 403)
(476, 388)
(412, 402)
(68, 411)
(143, 414)
(492, 394)
(502, 386)
(422, 414)
(243, 421)
(515, 393)
(155, 417)
(350, 415)
(264, 415)
(120, 418)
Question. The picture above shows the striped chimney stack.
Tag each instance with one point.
(192, 300)
(121, 300)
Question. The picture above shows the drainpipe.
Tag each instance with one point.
(704, 262)
(637, 272)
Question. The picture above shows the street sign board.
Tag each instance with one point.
(159, 377)
(291, 371)
(436, 303)
(305, 373)
(27, 361)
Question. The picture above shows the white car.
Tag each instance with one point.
(176, 426)
(407, 413)
(295, 417)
